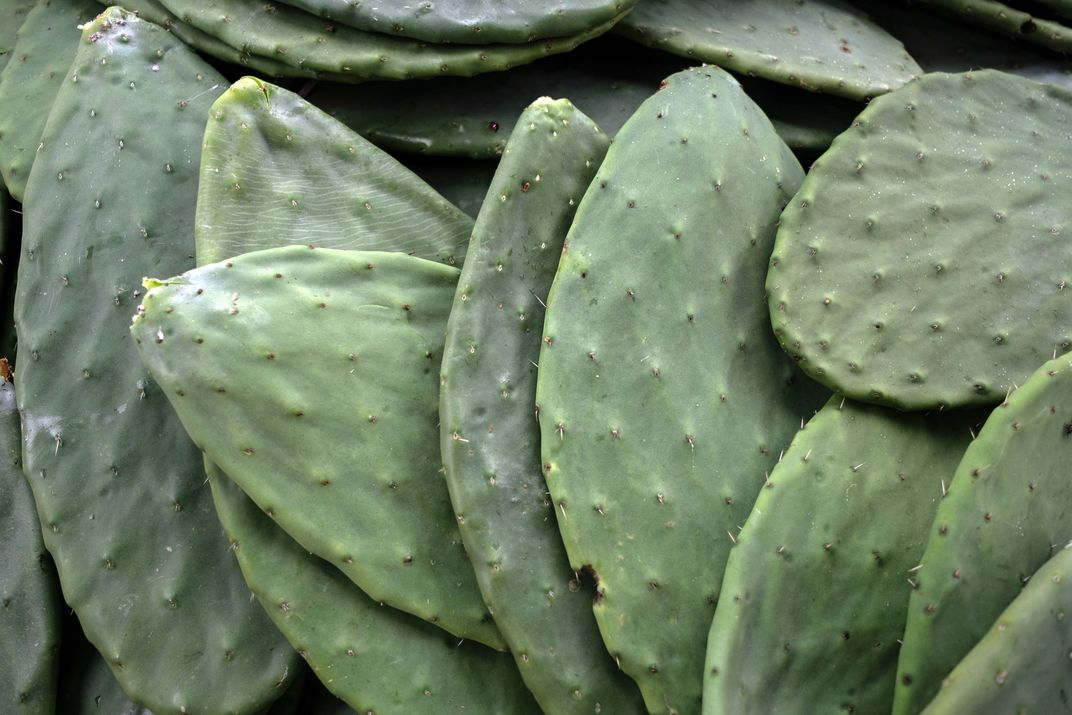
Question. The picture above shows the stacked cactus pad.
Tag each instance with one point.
(587, 357)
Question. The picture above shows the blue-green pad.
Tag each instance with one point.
(12, 15)
(914, 265)
(379, 660)
(119, 487)
(331, 425)
(663, 399)
(1008, 509)
(815, 595)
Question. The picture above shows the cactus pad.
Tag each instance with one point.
(275, 170)
(911, 267)
(12, 15)
(662, 398)
(1009, 507)
(821, 45)
(816, 592)
(332, 424)
(118, 485)
(1007, 20)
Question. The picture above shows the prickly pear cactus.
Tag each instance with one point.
(306, 42)
(1008, 508)
(662, 399)
(44, 48)
(275, 170)
(816, 591)
(377, 659)
(119, 486)
(1021, 665)
(30, 606)
(1007, 20)
(489, 436)
(332, 424)
(12, 15)
(911, 265)
(821, 45)
(87, 686)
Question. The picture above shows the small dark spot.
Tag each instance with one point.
(906, 679)
(493, 126)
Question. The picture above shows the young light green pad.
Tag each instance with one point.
(815, 595)
(663, 400)
(1008, 508)
(1007, 20)
(44, 48)
(1022, 664)
(471, 22)
(489, 436)
(306, 42)
(821, 45)
(120, 489)
(331, 424)
(30, 605)
(379, 660)
(275, 170)
(914, 265)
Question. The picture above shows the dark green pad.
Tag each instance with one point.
(911, 265)
(332, 424)
(30, 605)
(820, 45)
(489, 436)
(120, 489)
(1008, 509)
(663, 399)
(12, 15)
(275, 170)
(1007, 20)
(815, 595)
(377, 659)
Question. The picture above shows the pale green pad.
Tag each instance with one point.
(821, 45)
(119, 487)
(816, 591)
(44, 48)
(12, 15)
(30, 606)
(1007, 20)
(275, 170)
(911, 267)
(377, 659)
(1009, 507)
(1022, 664)
(662, 397)
(472, 22)
(489, 436)
(306, 42)
(332, 424)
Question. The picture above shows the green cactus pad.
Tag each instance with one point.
(118, 485)
(1022, 664)
(914, 265)
(29, 589)
(45, 46)
(1009, 506)
(663, 399)
(332, 424)
(306, 42)
(815, 595)
(275, 170)
(1006, 20)
(822, 45)
(12, 15)
(377, 659)
(463, 182)
(471, 22)
(489, 436)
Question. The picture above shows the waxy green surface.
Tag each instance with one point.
(375, 658)
(1007, 20)
(489, 436)
(45, 46)
(331, 425)
(816, 590)
(1009, 508)
(663, 400)
(12, 15)
(923, 262)
(119, 487)
(275, 171)
(822, 45)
